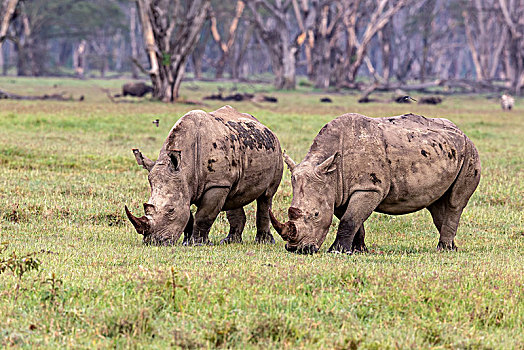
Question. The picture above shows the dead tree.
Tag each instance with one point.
(7, 8)
(225, 44)
(513, 15)
(357, 47)
(171, 30)
(485, 36)
(276, 35)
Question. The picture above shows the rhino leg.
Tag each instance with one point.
(360, 206)
(447, 210)
(263, 231)
(358, 244)
(208, 210)
(237, 221)
(188, 231)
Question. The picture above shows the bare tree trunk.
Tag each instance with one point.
(516, 41)
(170, 35)
(235, 69)
(79, 59)
(134, 46)
(5, 18)
(379, 18)
(225, 47)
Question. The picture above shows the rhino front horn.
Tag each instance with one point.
(281, 228)
(141, 224)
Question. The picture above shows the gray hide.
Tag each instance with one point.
(398, 165)
(219, 161)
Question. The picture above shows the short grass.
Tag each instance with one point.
(66, 171)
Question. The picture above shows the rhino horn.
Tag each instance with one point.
(141, 224)
(282, 229)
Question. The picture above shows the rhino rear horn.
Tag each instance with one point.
(282, 229)
(142, 160)
(141, 224)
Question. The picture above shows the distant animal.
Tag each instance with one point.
(430, 100)
(326, 100)
(218, 161)
(156, 122)
(404, 99)
(138, 89)
(396, 165)
(507, 102)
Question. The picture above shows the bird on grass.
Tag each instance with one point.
(156, 121)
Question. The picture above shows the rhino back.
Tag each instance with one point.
(226, 148)
(412, 160)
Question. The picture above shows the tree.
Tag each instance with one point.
(513, 15)
(7, 8)
(171, 31)
(276, 35)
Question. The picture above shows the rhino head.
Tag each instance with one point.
(312, 207)
(167, 212)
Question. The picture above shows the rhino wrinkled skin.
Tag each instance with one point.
(397, 165)
(219, 161)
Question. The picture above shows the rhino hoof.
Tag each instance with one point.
(266, 238)
(340, 250)
(446, 246)
(360, 249)
(308, 249)
(231, 239)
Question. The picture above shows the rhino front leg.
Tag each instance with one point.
(188, 231)
(360, 206)
(263, 231)
(208, 210)
(237, 221)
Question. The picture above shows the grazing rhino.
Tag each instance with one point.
(218, 161)
(357, 165)
(138, 89)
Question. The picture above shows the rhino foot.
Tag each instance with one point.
(264, 237)
(359, 248)
(231, 239)
(307, 249)
(446, 246)
(338, 248)
(197, 242)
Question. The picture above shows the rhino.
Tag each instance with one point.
(137, 89)
(218, 161)
(396, 165)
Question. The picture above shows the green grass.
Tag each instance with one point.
(66, 171)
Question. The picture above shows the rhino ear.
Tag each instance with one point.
(174, 155)
(329, 164)
(142, 160)
(289, 162)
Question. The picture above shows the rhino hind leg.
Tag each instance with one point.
(237, 221)
(263, 222)
(447, 210)
(351, 232)
(208, 210)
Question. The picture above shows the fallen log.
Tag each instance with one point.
(54, 97)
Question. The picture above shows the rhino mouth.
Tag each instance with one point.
(306, 249)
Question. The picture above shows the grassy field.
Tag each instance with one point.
(66, 171)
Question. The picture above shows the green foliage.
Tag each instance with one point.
(66, 171)
(17, 264)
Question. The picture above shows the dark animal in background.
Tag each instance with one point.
(430, 100)
(156, 122)
(136, 89)
(397, 165)
(404, 99)
(507, 102)
(326, 100)
(218, 161)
